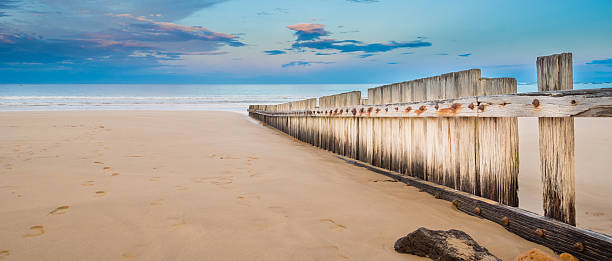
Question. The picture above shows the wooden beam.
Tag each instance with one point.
(572, 103)
(558, 236)
(557, 143)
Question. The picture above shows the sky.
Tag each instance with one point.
(291, 41)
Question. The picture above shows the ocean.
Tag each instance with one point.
(217, 97)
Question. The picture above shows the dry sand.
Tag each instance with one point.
(201, 186)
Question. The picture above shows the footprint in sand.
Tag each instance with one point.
(334, 225)
(100, 193)
(594, 214)
(129, 255)
(220, 181)
(245, 199)
(135, 156)
(154, 179)
(158, 202)
(181, 188)
(254, 174)
(98, 162)
(4, 253)
(36, 231)
(115, 174)
(176, 222)
(220, 156)
(89, 183)
(107, 168)
(59, 210)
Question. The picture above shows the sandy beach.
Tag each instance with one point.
(142, 185)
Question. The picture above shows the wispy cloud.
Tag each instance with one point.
(274, 52)
(348, 46)
(306, 32)
(303, 63)
(602, 62)
(465, 54)
(309, 37)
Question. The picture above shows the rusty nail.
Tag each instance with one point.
(540, 232)
(361, 110)
(437, 195)
(477, 210)
(536, 103)
(579, 246)
(437, 106)
(354, 111)
(377, 110)
(370, 109)
(336, 111)
(573, 102)
(481, 107)
(456, 203)
(506, 221)
(471, 106)
(396, 109)
(386, 109)
(422, 108)
(408, 109)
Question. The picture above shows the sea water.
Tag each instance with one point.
(218, 97)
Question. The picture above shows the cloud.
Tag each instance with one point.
(145, 29)
(306, 32)
(309, 37)
(348, 46)
(465, 54)
(442, 54)
(303, 64)
(391, 63)
(274, 52)
(597, 62)
(5, 5)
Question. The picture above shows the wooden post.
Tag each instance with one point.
(418, 148)
(498, 148)
(555, 72)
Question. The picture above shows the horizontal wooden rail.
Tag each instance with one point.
(568, 103)
(560, 237)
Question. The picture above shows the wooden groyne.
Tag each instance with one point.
(456, 135)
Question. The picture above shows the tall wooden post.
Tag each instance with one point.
(557, 142)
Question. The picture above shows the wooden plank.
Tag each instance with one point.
(572, 103)
(557, 142)
(418, 147)
(560, 237)
(498, 148)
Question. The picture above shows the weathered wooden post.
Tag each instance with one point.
(555, 72)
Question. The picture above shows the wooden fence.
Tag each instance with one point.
(460, 130)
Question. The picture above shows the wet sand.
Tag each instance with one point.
(143, 185)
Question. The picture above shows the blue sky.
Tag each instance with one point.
(290, 41)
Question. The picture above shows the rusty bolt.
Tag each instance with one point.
(471, 106)
(536, 103)
(573, 102)
(579, 246)
(540, 232)
(437, 106)
(354, 111)
(361, 110)
(386, 109)
(437, 195)
(396, 109)
(456, 203)
(477, 210)
(408, 109)
(336, 111)
(506, 221)
(422, 108)
(377, 110)
(370, 109)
